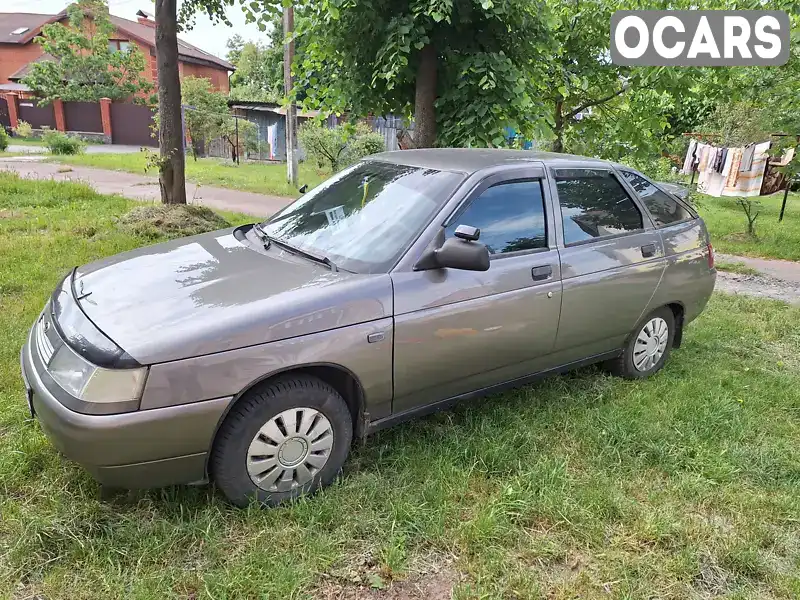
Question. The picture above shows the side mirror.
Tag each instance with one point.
(462, 252)
(303, 188)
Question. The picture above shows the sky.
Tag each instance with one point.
(205, 36)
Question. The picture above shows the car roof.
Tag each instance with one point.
(470, 160)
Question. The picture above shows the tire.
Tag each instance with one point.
(302, 410)
(631, 364)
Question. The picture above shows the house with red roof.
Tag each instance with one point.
(18, 49)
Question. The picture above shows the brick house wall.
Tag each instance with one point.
(15, 56)
(217, 78)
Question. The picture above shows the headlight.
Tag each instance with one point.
(90, 383)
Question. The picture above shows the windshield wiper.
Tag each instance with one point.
(262, 235)
(315, 257)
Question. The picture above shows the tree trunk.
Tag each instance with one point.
(171, 175)
(558, 127)
(424, 110)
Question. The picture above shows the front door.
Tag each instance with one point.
(460, 331)
(612, 259)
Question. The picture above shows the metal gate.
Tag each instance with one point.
(5, 119)
(132, 124)
(38, 115)
(83, 116)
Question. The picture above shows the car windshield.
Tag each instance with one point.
(363, 218)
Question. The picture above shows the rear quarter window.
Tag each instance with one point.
(594, 204)
(664, 208)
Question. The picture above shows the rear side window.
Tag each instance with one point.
(593, 205)
(664, 208)
(510, 216)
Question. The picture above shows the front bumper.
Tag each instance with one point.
(141, 449)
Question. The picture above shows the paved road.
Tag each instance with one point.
(143, 187)
(90, 149)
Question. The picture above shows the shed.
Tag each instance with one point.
(270, 117)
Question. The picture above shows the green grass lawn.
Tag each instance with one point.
(18, 141)
(686, 485)
(262, 178)
(728, 226)
(736, 267)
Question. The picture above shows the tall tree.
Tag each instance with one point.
(259, 71)
(614, 111)
(172, 165)
(82, 65)
(172, 161)
(235, 45)
(465, 69)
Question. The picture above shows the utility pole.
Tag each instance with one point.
(291, 109)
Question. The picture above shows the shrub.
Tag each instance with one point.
(60, 143)
(3, 139)
(23, 129)
(363, 143)
(340, 146)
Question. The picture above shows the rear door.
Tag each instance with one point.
(687, 278)
(459, 331)
(612, 259)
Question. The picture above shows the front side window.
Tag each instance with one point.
(510, 216)
(664, 208)
(364, 217)
(594, 204)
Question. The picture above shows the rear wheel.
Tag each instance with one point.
(286, 438)
(648, 347)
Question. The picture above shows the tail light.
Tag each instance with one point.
(710, 256)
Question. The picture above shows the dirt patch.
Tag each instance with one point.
(26, 592)
(435, 581)
(171, 221)
(86, 231)
(711, 579)
(759, 286)
(433, 586)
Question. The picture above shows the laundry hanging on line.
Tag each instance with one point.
(726, 171)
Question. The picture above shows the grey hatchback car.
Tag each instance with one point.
(253, 356)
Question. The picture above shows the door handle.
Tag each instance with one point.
(648, 250)
(541, 272)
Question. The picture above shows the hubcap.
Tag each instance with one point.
(290, 449)
(650, 344)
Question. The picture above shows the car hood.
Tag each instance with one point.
(217, 291)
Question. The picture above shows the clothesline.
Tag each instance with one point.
(702, 134)
(729, 171)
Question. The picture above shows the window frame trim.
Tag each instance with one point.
(647, 222)
(534, 173)
(118, 43)
(692, 213)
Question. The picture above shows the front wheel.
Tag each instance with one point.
(648, 347)
(286, 438)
